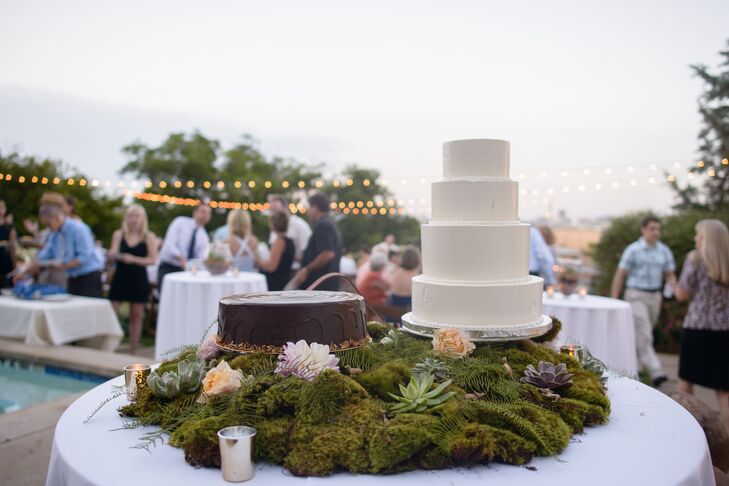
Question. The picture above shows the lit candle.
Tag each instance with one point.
(582, 292)
(574, 351)
(135, 379)
(236, 271)
(193, 269)
(550, 291)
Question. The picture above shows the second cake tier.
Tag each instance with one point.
(475, 251)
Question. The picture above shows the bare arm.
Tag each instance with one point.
(618, 281)
(682, 295)
(114, 249)
(275, 258)
(671, 278)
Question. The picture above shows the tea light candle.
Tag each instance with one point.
(236, 271)
(135, 379)
(550, 291)
(193, 269)
(573, 351)
(582, 292)
(237, 447)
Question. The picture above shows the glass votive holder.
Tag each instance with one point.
(193, 269)
(237, 447)
(236, 271)
(550, 291)
(135, 378)
(582, 292)
(573, 351)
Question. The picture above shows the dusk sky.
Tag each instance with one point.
(572, 85)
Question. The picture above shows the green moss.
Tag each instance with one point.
(545, 429)
(400, 439)
(551, 334)
(362, 358)
(328, 394)
(574, 413)
(378, 330)
(254, 363)
(385, 379)
(282, 398)
(478, 443)
(479, 376)
(272, 439)
(199, 440)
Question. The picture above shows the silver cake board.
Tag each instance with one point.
(486, 334)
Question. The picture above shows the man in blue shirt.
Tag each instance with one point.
(70, 248)
(642, 269)
(540, 257)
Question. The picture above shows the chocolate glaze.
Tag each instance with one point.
(275, 318)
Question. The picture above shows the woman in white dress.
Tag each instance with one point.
(242, 242)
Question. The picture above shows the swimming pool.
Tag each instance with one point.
(23, 383)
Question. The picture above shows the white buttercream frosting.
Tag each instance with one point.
(475, 251)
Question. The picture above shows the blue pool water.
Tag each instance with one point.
(23, 383)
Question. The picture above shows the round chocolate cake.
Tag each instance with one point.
(266, 321)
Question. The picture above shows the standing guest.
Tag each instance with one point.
(550, 240)
(70, 248)
(221, 234)
(133, 248)
(299, 231)
(705, 337)
(7, 248)
(185, 240)
(242, 242)
(323, 251)
(401, 288)
(374, 286)
(363, 264)
(277, 268)
(393, 263)
(386, 246)
(540, 257)
(642, 268)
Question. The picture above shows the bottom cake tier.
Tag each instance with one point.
(474, 305)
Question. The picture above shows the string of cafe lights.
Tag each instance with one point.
(608, 179)
(120, 183)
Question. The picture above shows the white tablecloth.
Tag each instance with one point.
(650, 440)
(189, 303)
(603, 325)
(91, 321)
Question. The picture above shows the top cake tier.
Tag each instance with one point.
(476, 158)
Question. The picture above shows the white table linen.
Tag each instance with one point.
(189, 303)
(603, 325)
(91, 321)
(650, 439)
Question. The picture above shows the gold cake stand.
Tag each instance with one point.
(491, 333)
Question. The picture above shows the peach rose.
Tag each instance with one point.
(222, 380)
(452, 343)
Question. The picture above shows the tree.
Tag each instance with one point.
(238, 175)
(102, 213)
(714, 143)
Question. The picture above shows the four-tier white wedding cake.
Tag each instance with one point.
(476, 251)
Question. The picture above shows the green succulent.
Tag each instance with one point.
(418, 397)
(186, 379)
(431, 366)
(390, 338)
(595, 366)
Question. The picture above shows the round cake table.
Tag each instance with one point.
(603, 325)
(650, 439)
(189, 303)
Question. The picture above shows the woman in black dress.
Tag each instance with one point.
(277, 268)
(7, 248)
(133, 248)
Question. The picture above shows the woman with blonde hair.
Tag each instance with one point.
(133, 248)
(705, 340)
(242, 242)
